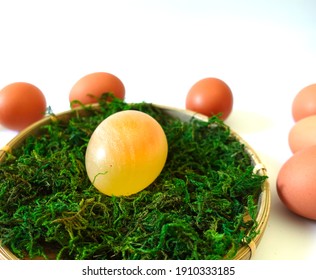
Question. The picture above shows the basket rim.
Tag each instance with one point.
(246, 251)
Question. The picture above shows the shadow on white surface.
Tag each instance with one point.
(245, 122)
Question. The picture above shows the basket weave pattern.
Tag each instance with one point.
(245, 252)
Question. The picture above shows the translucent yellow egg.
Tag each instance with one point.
(126, 153)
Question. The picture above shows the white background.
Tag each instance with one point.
(264, 50)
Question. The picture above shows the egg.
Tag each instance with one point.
(126, 153)
(210, 96)
(296, 186)
(302, 134)
(304, 103)
(90, 88)
(21, 104)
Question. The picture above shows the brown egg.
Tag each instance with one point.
(304, 103)
(303, 134)
(296, 185)
(21, 104)
(210, 96)
(89, 88)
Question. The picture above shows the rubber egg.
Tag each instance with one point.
(296, 183)
(210, 96)
(89, 88)
(304, 103)
(21, 104)
(126, 153)
(303, 134)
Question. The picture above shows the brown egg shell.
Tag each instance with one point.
(296, 183)
(303, 134)
(304, 103)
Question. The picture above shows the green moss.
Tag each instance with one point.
(195, 209)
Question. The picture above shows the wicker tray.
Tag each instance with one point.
(244, 253)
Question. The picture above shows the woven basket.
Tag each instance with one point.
(244, 253)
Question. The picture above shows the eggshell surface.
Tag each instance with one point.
(21, 104)
(304, 103)
(89, 88)
(210, 96)
(296, 183)
(126, 153)
(303, 134)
